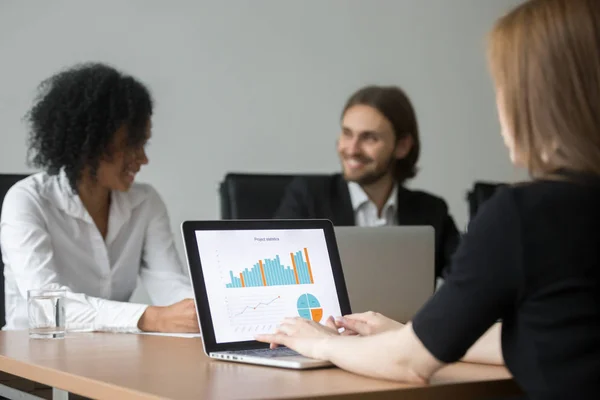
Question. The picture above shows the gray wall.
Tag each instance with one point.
(258, 85)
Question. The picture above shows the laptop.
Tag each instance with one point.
(390, 270)
(248, 275)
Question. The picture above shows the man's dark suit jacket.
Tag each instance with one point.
(329, 198)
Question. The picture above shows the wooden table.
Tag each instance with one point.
(128, 366)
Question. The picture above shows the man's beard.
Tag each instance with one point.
(371, 177)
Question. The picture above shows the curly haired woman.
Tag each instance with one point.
(83, 224)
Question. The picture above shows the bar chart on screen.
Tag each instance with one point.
(274, 271)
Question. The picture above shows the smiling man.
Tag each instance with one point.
(378, 148)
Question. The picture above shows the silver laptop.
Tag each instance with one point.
(389, 270)
(248, 275)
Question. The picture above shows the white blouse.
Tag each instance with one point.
(48, 239)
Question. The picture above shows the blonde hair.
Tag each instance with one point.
(544, 58)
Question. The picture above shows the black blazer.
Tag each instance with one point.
(329, 198)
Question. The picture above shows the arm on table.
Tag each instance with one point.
(487, 349)
(162, 275)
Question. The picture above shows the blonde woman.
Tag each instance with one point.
(531, 257)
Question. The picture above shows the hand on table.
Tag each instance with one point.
(177, 318)
(365, 324)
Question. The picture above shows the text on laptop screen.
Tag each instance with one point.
(255, 278)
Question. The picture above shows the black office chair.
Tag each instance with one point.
(6, 182)
(252, 196)
(479, 194)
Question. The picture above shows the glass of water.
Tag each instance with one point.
(46, 309)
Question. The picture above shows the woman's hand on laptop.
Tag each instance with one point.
(305, 336)
(367, 323)
(177, 318)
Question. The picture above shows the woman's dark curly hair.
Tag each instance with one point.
(76, 114)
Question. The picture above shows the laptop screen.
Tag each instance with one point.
(255, 278)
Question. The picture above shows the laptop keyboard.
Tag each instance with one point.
(265, 353)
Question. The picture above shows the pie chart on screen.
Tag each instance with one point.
(309, 307)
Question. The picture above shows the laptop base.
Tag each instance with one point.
(290, 362)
